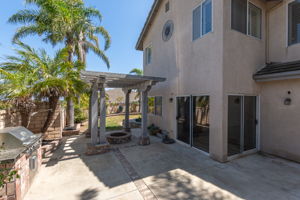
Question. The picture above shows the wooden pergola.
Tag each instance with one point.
(101, 80)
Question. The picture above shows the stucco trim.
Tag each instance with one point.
(277, 76)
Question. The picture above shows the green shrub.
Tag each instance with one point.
(80, 116)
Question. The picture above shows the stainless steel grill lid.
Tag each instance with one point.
(22, 134)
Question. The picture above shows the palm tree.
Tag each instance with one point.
(138, 72)
(16, 90)
(64, 21)
(50, 78)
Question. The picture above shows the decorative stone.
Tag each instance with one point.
(144, 141)
(118, 137)
(97, 149)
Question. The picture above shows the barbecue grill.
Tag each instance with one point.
(15, 141)
(19, 149)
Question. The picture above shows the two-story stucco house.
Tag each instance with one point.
(232, 69)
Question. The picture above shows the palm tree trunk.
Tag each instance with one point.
(25, 118)
(70, 103)
(53, 102)
(70, 113)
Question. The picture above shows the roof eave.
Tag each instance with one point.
(151, 16)
(277, 76)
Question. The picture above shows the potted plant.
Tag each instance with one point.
(154, 130)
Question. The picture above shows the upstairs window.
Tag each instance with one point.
(246, 18)
(294, 22)
(254, 24)
(202, 19)
(148, 55)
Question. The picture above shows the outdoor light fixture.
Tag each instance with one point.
(171, 100)
(288, 101)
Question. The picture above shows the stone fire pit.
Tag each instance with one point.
(118, 137)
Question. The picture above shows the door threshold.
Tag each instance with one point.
(189, 146)
(241, 155)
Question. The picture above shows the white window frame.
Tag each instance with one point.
(247, 22)
(212, 19)
(146, 55)
(287, 24)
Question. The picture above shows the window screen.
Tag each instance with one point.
(151, 105)
(202, 19)
(197, 23)
(294, 23)
(148, 55)
(254, 23)
(206, 17)
(239, 15)
(158, 106)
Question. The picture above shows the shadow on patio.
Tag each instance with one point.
(168, 171)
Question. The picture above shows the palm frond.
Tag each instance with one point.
(101, 30)
(98, 52)
(26, 31)
(24, 16)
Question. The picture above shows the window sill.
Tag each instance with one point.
(249, 36)
(203, 36)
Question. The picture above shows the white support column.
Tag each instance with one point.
(144, 139)
(127, 112)
(94, 114)
(102, 116)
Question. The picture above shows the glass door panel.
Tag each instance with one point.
(200, 112)
(234, 124)
(183, 119)
(249, 123)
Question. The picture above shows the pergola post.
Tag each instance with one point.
(127, 105)
(94, 114)
(144, 139)
(90, 115)
(102, 115)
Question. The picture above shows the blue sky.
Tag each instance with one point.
(123, 19)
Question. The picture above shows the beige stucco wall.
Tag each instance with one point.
(280, 130)
(221, 63)
(279, 51)
(243, 56)
(189, 66)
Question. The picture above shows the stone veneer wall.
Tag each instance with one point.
(10, 118)
(18, 187)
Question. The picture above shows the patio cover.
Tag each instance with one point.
(101, 80)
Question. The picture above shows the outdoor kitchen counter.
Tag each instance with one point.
(11, 155)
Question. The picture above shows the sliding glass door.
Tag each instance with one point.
(193, 121)
(200, 131)
(183, 119)
(242, 122)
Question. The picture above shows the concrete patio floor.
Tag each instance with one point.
(160, 171)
